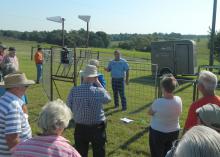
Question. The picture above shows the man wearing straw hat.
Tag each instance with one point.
(14, 125)
(86, 102)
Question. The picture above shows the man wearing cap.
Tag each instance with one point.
(11, 58)
(209, 115)
(86, 102)
(207, 83)
(14, 125)
(119, 69)
(38, 57)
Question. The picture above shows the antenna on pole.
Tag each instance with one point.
(59, 20)
(86, 18)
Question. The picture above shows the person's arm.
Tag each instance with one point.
(126, 69)
(127, 77)
(150, 111)
(191, 119)
(108, 69)
(13, 122)
(103, 95)
(102, 80)
(12, 140)
(69, 99)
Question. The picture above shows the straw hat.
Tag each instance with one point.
(90, 71)
(16, 79)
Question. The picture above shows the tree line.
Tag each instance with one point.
(72, 38)
(77, 38)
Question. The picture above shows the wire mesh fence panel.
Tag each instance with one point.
(140, 91)
(46, 72)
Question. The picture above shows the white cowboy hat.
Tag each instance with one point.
(16, 79)
(90, 71)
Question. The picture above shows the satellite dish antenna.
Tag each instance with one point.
(85, 18)
(55, 19)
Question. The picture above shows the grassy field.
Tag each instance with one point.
(124, 140)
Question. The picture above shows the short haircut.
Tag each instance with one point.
(168, 83)
(54, 115)
(117, 51)
(199, 141)
(39, 49)
(208, 80)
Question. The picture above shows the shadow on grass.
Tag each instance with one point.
(112, 112)
(144, 80)
(130, 141)
(108, 108)
(71, 124)
(141, 108)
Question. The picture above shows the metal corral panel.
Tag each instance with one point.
(177, 57)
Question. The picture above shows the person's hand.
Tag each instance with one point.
(106, 69)
(97, 82)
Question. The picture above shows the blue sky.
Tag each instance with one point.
(111, 16)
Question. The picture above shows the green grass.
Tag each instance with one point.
(124, 140)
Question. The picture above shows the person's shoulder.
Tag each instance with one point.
(178, 98)
(159, 100)
(123, 60)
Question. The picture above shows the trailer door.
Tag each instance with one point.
(182, 58)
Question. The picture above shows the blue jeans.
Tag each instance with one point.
(118, 87)
(39, 72)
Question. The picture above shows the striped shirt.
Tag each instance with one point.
(12, 120)
(45, 146)
(86, 103)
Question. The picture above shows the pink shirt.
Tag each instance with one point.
(1, 58)
(13, 60)
(50, 146)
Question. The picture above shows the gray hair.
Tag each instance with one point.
(208, 80)
(199, 141)
(54, 115)
(8, 68)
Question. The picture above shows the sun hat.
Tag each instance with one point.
(11, 49)
(209, 114)
(17, 79)
(3, 46)
(94, 62)
(90, 71)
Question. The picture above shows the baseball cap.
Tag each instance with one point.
(209, 114)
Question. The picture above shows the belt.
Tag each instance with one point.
(118, 78)
(91, 125)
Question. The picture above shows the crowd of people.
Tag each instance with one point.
(200, 137)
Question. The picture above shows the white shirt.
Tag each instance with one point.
(166, 116)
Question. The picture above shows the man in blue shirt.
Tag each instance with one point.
(119, 69)
(86, 102)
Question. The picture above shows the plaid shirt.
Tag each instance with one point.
(86, 102)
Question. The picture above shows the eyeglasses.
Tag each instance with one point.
(171, 152)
